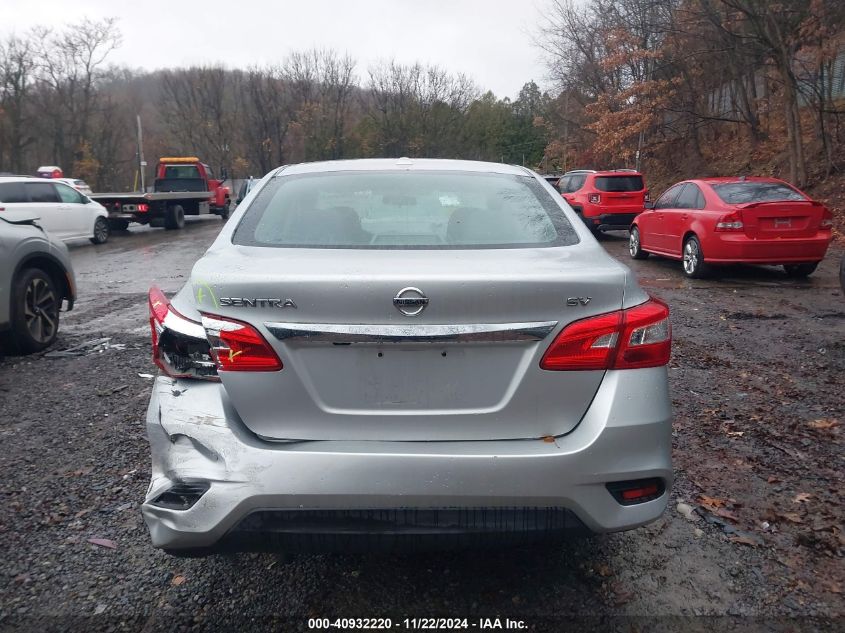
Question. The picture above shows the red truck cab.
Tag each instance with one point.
(187, 173)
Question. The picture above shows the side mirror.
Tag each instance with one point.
(649, 205)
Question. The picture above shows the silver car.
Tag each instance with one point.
(392, 353)
(36, 278)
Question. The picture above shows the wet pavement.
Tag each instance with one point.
(758, 393)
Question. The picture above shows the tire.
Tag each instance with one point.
(799, 271)
(101, 231)
(634, 246)
(224, 212)
(693, 259)
(36, 302)
(119, 225)
(174, 218)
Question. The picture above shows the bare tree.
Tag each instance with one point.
(416, 109)
(71, 64)
(17, 67)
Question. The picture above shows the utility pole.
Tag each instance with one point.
(141, 162)
(649, 69)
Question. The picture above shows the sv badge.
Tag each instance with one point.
(574, 302)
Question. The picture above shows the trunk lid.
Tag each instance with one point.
(781, 219)
(618, 201)
(356, 368)
(621, 193)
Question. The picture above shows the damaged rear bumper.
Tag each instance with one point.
(234, 491)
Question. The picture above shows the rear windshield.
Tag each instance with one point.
(619, 183)
(402, 210)
(177, 172)
(742, 192)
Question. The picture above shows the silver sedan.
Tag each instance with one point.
(390, 353)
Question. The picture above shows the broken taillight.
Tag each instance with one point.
(594, 198)
(238, 346)
(626, 339)
(180, 348)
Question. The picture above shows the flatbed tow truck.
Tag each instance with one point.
(183, 186)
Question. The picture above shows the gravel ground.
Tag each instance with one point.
(759, 401)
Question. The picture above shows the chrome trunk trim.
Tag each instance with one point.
(463, 333)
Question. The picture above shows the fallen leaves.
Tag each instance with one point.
(178, 581)
(711, 502)
(726, 514)
(823, 425)
(802, 497)
(103, 542)
(792, 517)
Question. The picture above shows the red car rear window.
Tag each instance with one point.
(743, 192)
(619, 183)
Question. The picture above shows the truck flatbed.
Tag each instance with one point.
(183, 186)
(150, 196)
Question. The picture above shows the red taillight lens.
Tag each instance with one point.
(647, 197)
(825, 225)
(729, 222)
(646, 339)
(628, 339)
(238, 346)
(587, 344)
(143, 207)
(180, 348)
(638, 491)
(594, 198)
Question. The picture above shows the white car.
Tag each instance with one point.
(61, 209)
(80, 185)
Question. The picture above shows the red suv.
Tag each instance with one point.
(605, 200)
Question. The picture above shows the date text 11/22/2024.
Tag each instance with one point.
(417, 624)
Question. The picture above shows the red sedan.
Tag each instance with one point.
(734, 220)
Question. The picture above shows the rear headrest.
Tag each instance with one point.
(325, 226)
(470, 225)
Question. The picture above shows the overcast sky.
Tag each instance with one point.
(490, 40)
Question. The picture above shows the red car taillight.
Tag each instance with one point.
(143, 207)
(594, 198)
(238, 346)
(729, 222)
(627, 339)
(180, 348)
(827, 220)
(647, 197)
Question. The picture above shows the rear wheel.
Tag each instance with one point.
(101, 231)
(800, 270)
(175, 218)
(634, 246)
(35, 311)
(119, 225)
(694, 266)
